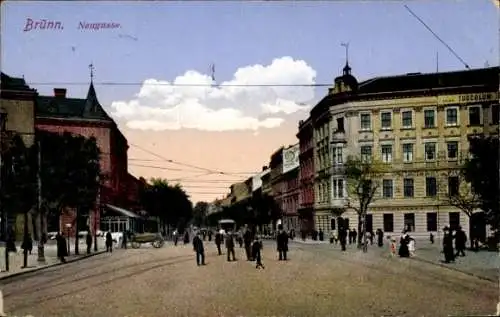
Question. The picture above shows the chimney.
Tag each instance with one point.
(264, 168)
(60, 92)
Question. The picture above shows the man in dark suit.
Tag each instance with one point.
(282, 242)
(199, 249)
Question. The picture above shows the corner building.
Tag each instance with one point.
(419, 125)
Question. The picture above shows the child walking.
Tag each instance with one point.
(256, 252)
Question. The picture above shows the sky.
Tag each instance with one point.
(228, 133)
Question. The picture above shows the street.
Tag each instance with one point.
(314, 282)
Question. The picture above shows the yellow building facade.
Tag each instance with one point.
(419, 134)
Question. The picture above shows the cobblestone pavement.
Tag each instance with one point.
(16, 260)
(483, 264)
(166, 282)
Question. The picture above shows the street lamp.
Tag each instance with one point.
(68, 230)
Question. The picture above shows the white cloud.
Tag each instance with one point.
(160, 106)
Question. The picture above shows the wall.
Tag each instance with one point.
(20, 118)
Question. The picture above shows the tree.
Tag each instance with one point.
(481, 171)
(70, 175)
(363, 180)
(265, 208)
(169, 203)
(200, 213)
(461, 196)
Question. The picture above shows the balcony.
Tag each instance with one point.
(338, 137)
(338, 203)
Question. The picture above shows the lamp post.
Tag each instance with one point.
(68, 231)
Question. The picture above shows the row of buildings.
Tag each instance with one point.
(417, 124)
(23, 111)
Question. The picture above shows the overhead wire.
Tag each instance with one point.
(171, 84)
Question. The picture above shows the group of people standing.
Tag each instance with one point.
(247, 239)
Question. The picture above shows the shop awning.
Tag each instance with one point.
(124, 212)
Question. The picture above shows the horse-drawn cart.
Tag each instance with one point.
(155, 239)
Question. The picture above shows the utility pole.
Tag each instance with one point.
(41, 249)
(5, 218)
(97, 211)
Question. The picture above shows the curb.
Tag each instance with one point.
(41, 268)
(481, 277)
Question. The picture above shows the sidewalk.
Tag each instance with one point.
(16, 259)
(482, 264)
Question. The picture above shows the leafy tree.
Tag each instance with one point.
(363, 181)
(200, 213)
(481, 171)
(266, 210)
(18, 193)
(70, 173)
(463, 197)
(169, 203)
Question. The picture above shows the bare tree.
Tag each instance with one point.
(363, 181)
(461, 195)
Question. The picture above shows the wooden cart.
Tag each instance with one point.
(155, 239)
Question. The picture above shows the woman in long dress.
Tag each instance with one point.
(403, 245)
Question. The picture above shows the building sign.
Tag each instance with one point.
(468, 98)
(291, 158)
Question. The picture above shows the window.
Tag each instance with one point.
(430, 187)
(429, 118)
(386, 120)
(387, 188)
(432, 221)
(451, 116)
(366, 121)
(452, 147)
(454, 220)
(408, 187)
(337, 155)
(409, 222)
(453, 184)
(366, 153)
(340, 124)
(338, 188)
(407, 152)
(388, 222)
(495, 114)
(474, 115)
(430, 151)
(407, 119)
(387, 153)
(369, 222)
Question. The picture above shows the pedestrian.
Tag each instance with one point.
(247, 239)
(380, 237)
(218, 241)
(230, 246)
(321, 235)
(392, 245)
(186, 237)
(449, 255)
(256, 253)
(282, 243)
(125, 239)
(371, 237)
(460, 241)
(354, 235)
(240, 238)
(343, 238)
(411, 246)
(199, 249)
(27, 244)
(176, 237)
(88, 240)
(403, 245)
(109, 242)
(62, 247)
(431, 238)
(209, 235)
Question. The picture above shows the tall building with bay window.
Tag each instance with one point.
(419, 126)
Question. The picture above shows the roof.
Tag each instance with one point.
(415, 84)
(88, 108)
(124, 212)
(13, 83)
(418, 81)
